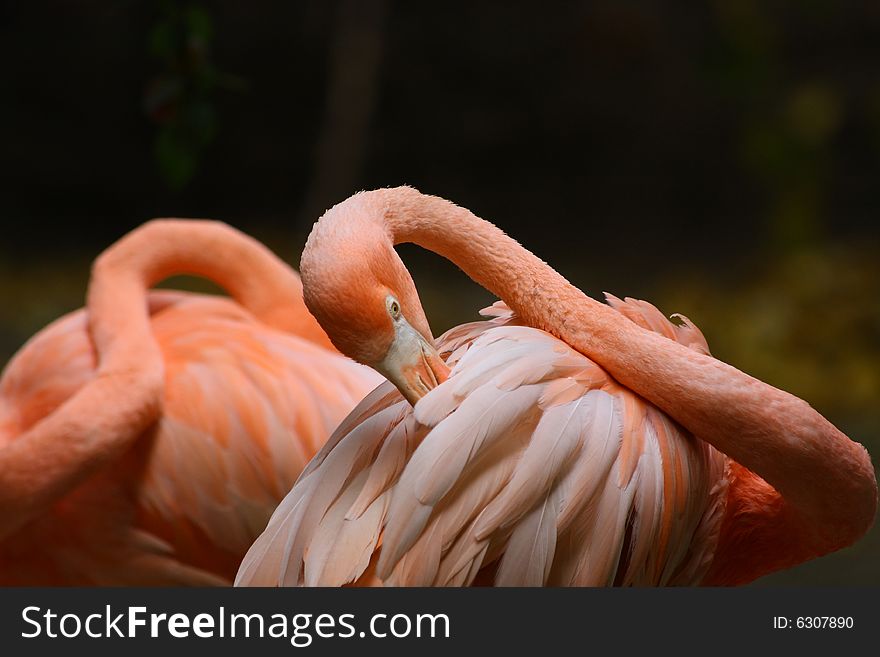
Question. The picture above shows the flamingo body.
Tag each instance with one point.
(565, 442)
(243, 407)
(528, 466)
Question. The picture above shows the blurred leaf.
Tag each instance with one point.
(198, 23)
(768, 152)
(176, 156)
(814, 113)
(161, 98)
(202, 121)
(180, 98)
(162, 41)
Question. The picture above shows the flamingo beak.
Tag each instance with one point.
(412, 363)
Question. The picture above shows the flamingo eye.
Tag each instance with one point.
(393, 308)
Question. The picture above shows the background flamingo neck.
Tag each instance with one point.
(123, 401)
(252, 275)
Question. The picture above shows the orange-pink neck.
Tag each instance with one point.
(161, 248)
(816, 468)
(104, 417)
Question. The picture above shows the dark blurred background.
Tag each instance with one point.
(720, 160)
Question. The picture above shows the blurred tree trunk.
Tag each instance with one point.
(352, 91)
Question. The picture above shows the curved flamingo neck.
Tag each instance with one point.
(124, 399)
(826, 480)
(541, 296)
(250, 272)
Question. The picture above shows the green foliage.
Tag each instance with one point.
(789, 119)
(180, 99)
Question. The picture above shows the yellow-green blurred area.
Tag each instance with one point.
(721, 161)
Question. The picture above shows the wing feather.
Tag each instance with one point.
(528, 466)
(486, 416)
(554, 442)
(532, 545)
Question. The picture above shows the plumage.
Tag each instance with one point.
(560, 442)
(501, 464)
(245, 402)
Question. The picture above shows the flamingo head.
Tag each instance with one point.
(359, 290)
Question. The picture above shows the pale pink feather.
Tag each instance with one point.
(528, 460)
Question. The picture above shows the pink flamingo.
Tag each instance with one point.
(147, 438)
(563, 442)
